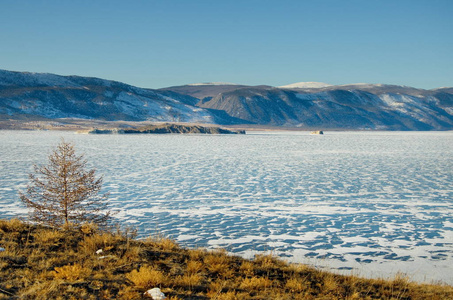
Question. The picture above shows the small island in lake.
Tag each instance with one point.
(167, 128)
(317, 132)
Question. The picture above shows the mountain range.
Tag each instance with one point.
(28, 96)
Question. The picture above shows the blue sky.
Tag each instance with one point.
(163, 43)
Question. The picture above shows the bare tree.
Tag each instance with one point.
(65, 192)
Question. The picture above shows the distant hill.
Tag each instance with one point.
(340, 107)
(203, 90)
(34, 95)
(304, 105)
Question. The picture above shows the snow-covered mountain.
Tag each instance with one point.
(203, 90)
(305, 85)
(28, 95)
(354, 106)
(375, 107)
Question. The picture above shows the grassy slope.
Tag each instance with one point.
(43, 263)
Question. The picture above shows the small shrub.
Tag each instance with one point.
(216, 263)
(215, 288)
(300, 268)
(89, 228)
(194, 267)
(296, 284)
(247, 268)
(400, 279)
(13, 225)
(3, 265)
(71, 272)
(128, 292)
(146, 277)
(11, 249)
(268, 261)
(197, 254)
(41, 290)
(231, 295)
(354, 296)
(131, 253)
(164, 244)
(256, 283)
(48, 236)
(330, 283)
(37, 257)
(188, 280)
(105, 241)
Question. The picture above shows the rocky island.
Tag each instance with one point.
(167, 128)
(317, 132)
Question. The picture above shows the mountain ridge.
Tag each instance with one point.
(354, 106)
(54, 96)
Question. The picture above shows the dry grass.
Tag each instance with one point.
(71, 272)
(296, 284)
(247, 268)
(147, 277)
(11, 226)
(163, 243)
(194, 267)
(255, 283)
(49, 237)
(102, 241)
(188, 280)
(268, 262)
(44, 263)
(217, 263)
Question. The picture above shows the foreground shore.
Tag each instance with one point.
(84, 263)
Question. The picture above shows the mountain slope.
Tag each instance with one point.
(355, 106)
(344, 107)
(203, 90)
(52, 96)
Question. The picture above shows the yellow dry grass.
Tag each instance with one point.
(71, 272)
(256, 283)
(146, 277)
(45, 263)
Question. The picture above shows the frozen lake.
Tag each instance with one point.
(371, 203)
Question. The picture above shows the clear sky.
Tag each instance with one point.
(163, 43)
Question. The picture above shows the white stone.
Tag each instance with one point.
(156, 294)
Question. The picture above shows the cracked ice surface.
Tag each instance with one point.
(372, 202)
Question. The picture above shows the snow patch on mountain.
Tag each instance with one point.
(212, 83)
(398, 100)
(9, 78)
(305, 85)
(129, 104)
(165, 110)
(372, 86)
(322, 96)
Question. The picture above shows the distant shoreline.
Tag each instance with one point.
(86, 125)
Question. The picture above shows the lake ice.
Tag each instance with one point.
(370, 203)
